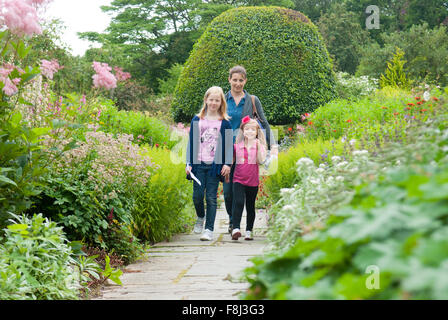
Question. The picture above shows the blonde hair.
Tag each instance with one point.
(222, 109)
(260, 134)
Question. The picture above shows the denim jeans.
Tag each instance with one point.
(209, 188)
(228, 194)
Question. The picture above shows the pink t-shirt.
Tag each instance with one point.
(246, 167)
(209, 133)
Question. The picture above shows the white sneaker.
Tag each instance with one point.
(199, 225)
(207, 235)
(236, 233)
(248, 236)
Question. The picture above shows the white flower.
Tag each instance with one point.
(342, 164)
(288, 207)
(320, 170)
(336, 159)
(352, 142)
(305, 161)
(426, 96)
(286, 190)
(339, 178)
(360, 152)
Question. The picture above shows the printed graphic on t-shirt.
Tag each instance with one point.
(209, 133)
(208, 139)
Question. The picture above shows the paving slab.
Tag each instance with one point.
(186, 268)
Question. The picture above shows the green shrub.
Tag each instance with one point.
(144, 129)
(285, 57)
(286, 175)
(344, 117)
(394, 75)
(165, 205)
(396, 221)
(93, 184)
(36, 262)
(426, 54)
(352, 87)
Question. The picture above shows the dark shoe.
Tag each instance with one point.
(230, 228)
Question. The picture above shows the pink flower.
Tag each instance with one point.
(9, 87)
(245, 119)
(103, 77)
(121, 75)
(48, 68)
(20, 16)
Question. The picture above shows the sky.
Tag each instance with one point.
(79, 16)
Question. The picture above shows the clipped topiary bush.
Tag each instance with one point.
(287, 63)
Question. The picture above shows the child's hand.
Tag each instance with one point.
(225, 170)
(188, 169)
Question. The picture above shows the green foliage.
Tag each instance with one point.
(394, 75)
(395, 221)
(286, 174)
(164, 207)
(143, 128)
(352, 118)
(92, 190)
(343, 36)
(286, 60)
(36, 262)
(352, 87)
(167, 86)
(426, 52)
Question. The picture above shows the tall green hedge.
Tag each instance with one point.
(288, 66)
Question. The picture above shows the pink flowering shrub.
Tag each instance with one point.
(121, 75)
(20, 16)
(103, 78)
(9, 85)
(48, 68)
(108, 160)
(98, 176)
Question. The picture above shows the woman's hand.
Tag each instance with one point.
(225, 170)
(188, 169)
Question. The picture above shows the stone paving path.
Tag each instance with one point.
(186, 268)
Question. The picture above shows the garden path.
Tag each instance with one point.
(186, 268)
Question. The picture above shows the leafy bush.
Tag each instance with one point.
(352, 87)
(143, 128)
(285, 57)
(426, 54)
(90, 183)
(286, 174)
(395, 222)
(165, 205)
(343, 117)
(394, 75)
(36, 261)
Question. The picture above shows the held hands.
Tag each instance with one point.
(188, 169)
(225, 170)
